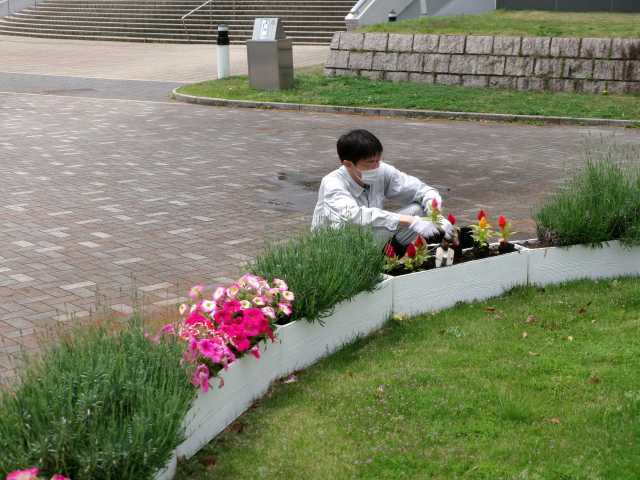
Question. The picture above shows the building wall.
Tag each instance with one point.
(590, 65)
(571, 5)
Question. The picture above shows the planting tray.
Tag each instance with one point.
(558, 264)
(440, 288)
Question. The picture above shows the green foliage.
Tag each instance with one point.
(460, 394)
(317, 89)
(99, 406)
(521, 23)
(324, 267)
(601, 202)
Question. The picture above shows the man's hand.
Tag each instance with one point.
(428, 198)
(447, 227)
(424, 228)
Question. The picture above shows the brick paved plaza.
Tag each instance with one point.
(103, 200)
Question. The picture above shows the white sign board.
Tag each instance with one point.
(267, 29)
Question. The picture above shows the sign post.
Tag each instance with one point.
(270, 56)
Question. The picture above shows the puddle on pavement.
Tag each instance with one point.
(291, 192)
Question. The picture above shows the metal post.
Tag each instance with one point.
(223, 52)
(393, 16)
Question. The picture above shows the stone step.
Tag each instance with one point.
(77, 35)
(165, 27)
(288, 22)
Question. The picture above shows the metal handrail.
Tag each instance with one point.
(194, 11)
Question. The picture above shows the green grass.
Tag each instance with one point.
(323, 267)
(600, 202)
(522, 23)
(315, 88)
(98, 406)
(459, 394)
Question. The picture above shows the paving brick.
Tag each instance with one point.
(375, 41)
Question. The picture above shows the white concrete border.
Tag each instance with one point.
(301, 343)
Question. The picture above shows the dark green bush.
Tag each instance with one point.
(97, 406)
(600, 202)
(324, 267)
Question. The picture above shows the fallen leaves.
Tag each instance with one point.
(555, 421)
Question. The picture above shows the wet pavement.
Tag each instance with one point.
(108, 201)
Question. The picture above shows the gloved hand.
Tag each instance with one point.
(424, 228)
(447, 227)
(426, 201)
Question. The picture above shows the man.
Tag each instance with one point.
(355, 193)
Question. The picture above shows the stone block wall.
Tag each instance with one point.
(590, 65)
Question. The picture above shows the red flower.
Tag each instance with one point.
(419, 242)
(389, 251)
(411, 250)
(452, 219)
(434, 204)
(481, 215)
(502, 222)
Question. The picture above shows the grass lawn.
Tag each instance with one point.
(537, 384)
(529, 23)
(312, 87)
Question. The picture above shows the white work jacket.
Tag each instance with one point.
(342, 200)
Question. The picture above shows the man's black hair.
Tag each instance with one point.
(358, 145)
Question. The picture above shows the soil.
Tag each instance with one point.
(460, 257)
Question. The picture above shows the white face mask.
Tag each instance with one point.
(370, 176)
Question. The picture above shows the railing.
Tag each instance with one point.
(208, 2)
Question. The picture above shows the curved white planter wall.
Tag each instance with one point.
(301, 343)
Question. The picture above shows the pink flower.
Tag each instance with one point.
(232, 306)
(208, 306)
(242, 344)
(168, 328)
(255, 351)
(28, 474)
(280, 284)
(285, 308)
(218, 294)
(288, 296)
(259, 301)
(245, 304)
(269, 312)
(183, 309)
(200, 377)
(196, 292)
(232, 291)
(57, 476)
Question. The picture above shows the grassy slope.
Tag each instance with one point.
(314, 88)
(460, 394)
(532, 23)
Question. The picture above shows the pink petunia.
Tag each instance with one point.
(255, 351)
(168, 328)
(288, 296)
(269, 312)
(285, 308)
(196, 292)
(57, 476)
(280, 284)
(259, 301)
(200, 377)
(28, 474)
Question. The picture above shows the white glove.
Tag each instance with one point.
(424, 228)
(429, 196)
(447, 227)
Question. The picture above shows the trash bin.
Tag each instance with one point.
(270, 56)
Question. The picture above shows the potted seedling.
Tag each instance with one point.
(445, 253)
(505, 232)
(481, 232)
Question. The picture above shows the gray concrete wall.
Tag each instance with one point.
(590, 65)
(572, 5)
